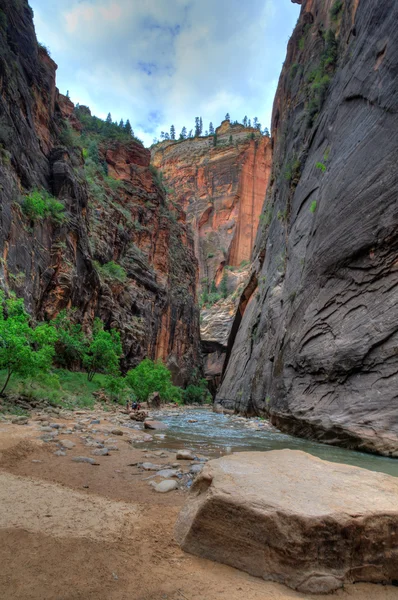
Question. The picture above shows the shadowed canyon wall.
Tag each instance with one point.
(222, 190)
(117, 215)
(317, 347)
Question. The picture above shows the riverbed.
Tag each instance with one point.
(214, 435)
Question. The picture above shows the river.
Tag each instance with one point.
(214, 435)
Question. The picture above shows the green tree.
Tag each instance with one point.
(109, 119)
(149, 377)
(172, 133)
(230, 139)
(211, 128)
(197, 126)
(117, 387)
(198, 394)
(227, 117)
(200, 126)
(103, 351)
(183, 134)
(224, 285)
(128, 129)
(70, 342)
(121, 124)
(213, 287)
(24, 350)
(245, 121)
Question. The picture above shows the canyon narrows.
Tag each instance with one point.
(316, 351)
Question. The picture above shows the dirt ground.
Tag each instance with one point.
(76, 531)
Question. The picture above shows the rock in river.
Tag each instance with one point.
(290, 517)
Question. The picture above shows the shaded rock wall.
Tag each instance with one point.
(55, 266)
(316, 350)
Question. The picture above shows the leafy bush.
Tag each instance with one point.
(149, 377)
(24, 350)
(313, 207)
(70, 343)
(39, 205)
(103, 351)
(112, 271)
(321, 166)
(197, 394)
(117, 388)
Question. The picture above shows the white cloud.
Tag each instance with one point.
(159, 62)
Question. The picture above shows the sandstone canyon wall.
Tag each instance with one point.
(222, 190)
(119, 217)
(317, 347)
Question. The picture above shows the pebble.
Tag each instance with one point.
(165, 486)
(60, 453)
(95, 422)
(84, 459)
(116, 432)
(195, 469)
(185, 455)
(67, 444)
(101, 452)
(167, 473)
(147, 466)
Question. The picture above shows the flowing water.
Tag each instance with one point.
(215, 435)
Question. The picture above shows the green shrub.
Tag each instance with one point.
(112, 271)
(336, 10)
(313, 207)
(102, 352)
(39, 205)
(24, 350)
(149, 377)
(197, 394)
(321, 166)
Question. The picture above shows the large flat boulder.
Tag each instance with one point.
(289, 517)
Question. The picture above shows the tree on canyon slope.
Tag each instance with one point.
(24, 350)
(211, 128)
(183, 134)
(172, 133)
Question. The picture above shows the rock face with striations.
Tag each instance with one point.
(222, 189)
(118, 214)
(316, 349)
(289, 517)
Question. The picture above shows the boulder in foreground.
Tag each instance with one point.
(289, 517)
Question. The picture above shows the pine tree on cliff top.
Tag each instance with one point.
(197, 126)
(227, 117)
(245, 121)
(200, 126)
(172, 133)
(211, 128)
(183, 134)
(128, 129)
(109, 119)
(121, 124)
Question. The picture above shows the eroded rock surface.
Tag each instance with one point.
(122, 217)
(289, 517)
(222, 189)
(317, 347)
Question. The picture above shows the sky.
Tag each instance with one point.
(163, 62)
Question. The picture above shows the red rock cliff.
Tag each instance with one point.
(222, 189)
(122, 217)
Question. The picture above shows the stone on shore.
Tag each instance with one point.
(185, 455)
(289, 517)
(168, 485)
(154, 425)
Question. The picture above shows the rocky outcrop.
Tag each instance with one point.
(317, 347)
(289, 517)
(222, 190)
(117, 215)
